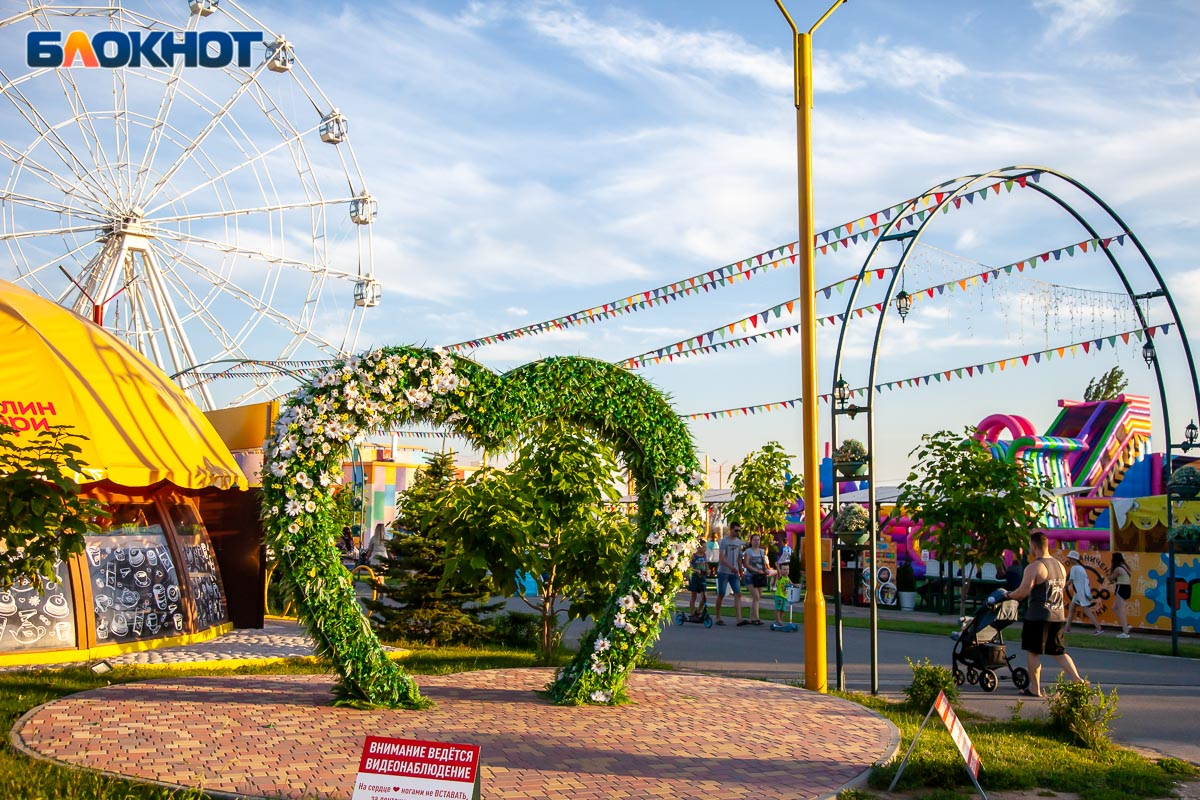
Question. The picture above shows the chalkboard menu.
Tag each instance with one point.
(31, 620)
(204, 578)
(135, 588)
(201, 566)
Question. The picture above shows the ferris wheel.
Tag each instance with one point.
(201, 213)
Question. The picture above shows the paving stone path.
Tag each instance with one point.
(682, 736)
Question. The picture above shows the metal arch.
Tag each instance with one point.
(962, 185)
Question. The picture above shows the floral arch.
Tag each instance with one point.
(394, 386)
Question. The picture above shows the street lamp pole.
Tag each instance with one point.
(815, 670)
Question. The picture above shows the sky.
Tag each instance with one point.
(531, 159)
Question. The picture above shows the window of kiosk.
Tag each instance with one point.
(135, 587)
(200, 563)
(35, 620)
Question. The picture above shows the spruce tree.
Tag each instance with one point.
(418, 601)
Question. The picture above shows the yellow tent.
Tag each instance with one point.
(59, 369)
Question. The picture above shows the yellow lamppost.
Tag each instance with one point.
(815, 671)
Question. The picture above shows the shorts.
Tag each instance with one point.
(758, 580)
(1124, 591)
(1081, 601)
(1043, 638)
(780, 603)
(725, 579)
(697, 584)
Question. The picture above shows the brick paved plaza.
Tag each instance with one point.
(682, 736)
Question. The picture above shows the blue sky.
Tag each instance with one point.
(534, 158)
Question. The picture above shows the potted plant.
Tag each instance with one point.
(1185, 483)
(1186, 537)
(906, 585)
(850, 458)
(850, 527)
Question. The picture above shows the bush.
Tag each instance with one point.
(850, 450)
(515, 629)
(1083, 711)
(851, 517)
(1188, 532)
(1185, 476)
(928, 680)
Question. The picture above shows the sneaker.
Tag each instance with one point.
(1123, 636)
(720, 621)
(1098, 633)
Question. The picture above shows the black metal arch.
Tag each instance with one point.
(951, 190)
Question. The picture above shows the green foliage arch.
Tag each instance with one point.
(395, 386)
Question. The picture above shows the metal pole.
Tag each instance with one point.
(1170, 593)
(873, 530)
(815, 669)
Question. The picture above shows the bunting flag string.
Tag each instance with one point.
(956, 373)
(844, 235)
(704, 342)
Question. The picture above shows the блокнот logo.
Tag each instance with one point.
(115, 49)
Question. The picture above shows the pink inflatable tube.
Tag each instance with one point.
(990, 428)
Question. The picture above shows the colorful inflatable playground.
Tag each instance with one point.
(1108, 497)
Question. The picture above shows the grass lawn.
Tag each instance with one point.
(22, 778)
(1019, 754)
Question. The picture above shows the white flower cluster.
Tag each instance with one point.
(362, 394)
(666, 558)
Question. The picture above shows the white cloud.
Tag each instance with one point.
(1074, 20)
(635, 45)
(517, 312)
(880, 63)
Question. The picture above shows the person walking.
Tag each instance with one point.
(1121, 578)
(729, 570)
(1082, 597)
(759, 570)
(1044, 583)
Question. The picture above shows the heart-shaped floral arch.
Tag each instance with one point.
(395, 386)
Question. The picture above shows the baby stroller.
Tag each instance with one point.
(980, 645)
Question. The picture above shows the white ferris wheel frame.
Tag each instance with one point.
(186, 249)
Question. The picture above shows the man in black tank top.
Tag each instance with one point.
(1044, 583)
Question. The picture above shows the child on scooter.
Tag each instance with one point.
(781, 592)
(698, 582)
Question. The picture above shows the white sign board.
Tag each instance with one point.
(402, 769)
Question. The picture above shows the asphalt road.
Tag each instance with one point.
(1159, 696)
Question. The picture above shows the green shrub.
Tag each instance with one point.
(928, 680)
(1083, 711)
(515, 629)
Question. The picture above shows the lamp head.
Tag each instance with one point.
(903, 304)
(841, 392)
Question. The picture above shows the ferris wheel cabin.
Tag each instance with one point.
(203, 7)
(280, 55)
(367, 293)
(364, 209)
(334, 127)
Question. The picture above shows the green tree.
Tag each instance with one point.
(764, 488)
(43, 518)
(1106, 387)
(552, 515)
(419, 600)
(970, 506)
